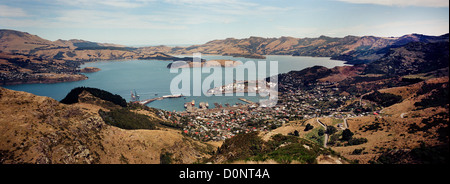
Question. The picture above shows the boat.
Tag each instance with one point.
(134, 97)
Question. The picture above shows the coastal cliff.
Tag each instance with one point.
(26, 69)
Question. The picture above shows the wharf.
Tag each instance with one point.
(144, 102)
(247, 101)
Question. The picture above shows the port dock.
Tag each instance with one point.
(144, 102)
(247, 101)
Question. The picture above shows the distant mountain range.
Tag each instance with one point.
(17, 42)
(412, 58)
(27, 58)
(353, 49)
(408, 54)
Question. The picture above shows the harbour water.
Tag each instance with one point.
(151, 79)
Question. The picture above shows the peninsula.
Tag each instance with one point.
(27, 58)
(210, 63)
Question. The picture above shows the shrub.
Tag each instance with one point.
(413, 128)
(357, 151)
(374, 126)
(296, 133)
(126, 119)
(356, 141)
(165, 157)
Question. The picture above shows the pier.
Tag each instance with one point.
(145, 102)
(247, 101)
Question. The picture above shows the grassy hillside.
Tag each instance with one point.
(40, 130)
(283, 149)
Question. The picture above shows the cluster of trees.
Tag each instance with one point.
(242, 146)
(439, 96)
(123, 118)
(346, 138)
(375, 126)
(281, 148)
(330, 130)
(72, 96)
(358, 151)
(383, 99)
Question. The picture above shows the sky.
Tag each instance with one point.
(181, 22)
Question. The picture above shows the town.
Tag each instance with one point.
(294, 103)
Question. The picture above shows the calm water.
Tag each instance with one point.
(152, 79)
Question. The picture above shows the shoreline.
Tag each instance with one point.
(69, 78)
(81, 62)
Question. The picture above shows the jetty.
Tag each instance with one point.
(247, 101)
(144, 102)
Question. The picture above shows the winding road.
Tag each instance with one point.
(326, 135)
(345, 123)
(403, 115)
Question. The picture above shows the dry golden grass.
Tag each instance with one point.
(36, 129)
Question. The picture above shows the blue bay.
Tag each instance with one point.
(152, 79)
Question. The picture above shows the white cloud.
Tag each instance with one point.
(427, 27)
(112, 3)
(205, 2)
(122, 4)
(102, 19)
(7, 11)
(395, 28)
(228, 7)
(423, 3)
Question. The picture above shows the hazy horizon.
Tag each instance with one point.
(190, 22)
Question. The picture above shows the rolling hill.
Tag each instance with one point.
(40, 130)
(354, 49)
(27, 58)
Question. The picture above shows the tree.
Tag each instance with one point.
(320, 132)
(331, 130)
(296, 133)
(347, 135)
(308, 127)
